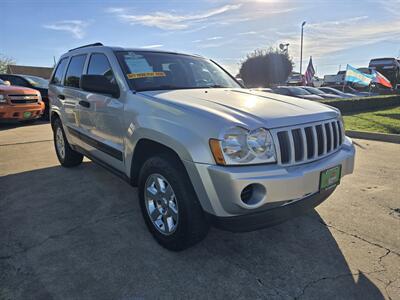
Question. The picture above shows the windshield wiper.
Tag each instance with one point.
(214, 86)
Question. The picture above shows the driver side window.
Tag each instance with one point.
(99, 65)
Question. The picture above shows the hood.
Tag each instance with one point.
(244, 106)
(12, 89)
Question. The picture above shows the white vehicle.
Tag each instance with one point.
(202, 150)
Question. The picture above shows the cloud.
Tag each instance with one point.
(152, 46)
(74, 27)
(170, 21)
(247, 33)
(392, 6)
(327, 38)
(214, 38)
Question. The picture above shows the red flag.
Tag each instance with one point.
(379, 78)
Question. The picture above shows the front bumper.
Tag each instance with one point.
(270, 217)
(219, 188)
(16, 112)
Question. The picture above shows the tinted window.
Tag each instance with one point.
(99, 65)
(298, 91)
(168, 71)
(282, 91)
(37, 82)
(74, 71)
(15, 80)
(57, 78)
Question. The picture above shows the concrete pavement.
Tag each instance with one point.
(78, 234)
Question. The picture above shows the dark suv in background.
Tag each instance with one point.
(34, 82)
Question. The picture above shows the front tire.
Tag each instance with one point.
(66, 156)
(169, 204)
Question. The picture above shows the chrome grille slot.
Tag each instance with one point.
(310, 142)
(328, 137)
(284, 146)
(23, 98)
(335, 135)
(300, 144)
(320, 139)
(340, 132)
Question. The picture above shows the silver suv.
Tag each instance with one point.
(201, 148)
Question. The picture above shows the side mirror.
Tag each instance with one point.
(6, 82)
(99, 84)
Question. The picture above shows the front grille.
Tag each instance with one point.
(23, 98)
(309, 142)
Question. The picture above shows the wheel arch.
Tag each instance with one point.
(146, 148)
(53, 117)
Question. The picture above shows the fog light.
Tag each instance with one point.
(253, 194)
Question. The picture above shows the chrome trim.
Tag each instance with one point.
(291, 149)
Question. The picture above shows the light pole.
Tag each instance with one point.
(301, 48)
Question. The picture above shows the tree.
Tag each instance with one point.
(265, 67)
(4, 62)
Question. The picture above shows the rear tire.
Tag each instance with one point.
(176, 205)
(66, 156)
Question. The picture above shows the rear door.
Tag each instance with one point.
(101, 116)
(71, 95)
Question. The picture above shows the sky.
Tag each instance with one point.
(336, 33)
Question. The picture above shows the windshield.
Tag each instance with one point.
(314, 91)
(37, 81)
(2, 82)
(382, 62)
(298, 91)
(149, 71)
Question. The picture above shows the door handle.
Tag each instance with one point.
(84, 103)
(61, 97)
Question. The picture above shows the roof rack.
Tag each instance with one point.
(88, 45)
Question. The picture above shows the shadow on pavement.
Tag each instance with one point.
(14, 124)
(78, 233)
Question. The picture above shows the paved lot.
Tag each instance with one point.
(78, 234)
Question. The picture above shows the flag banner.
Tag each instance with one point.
(309, 74)
(379, 78)
(353, 75)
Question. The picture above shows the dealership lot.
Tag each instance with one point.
(78, 233)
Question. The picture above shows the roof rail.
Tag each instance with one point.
(88, 45)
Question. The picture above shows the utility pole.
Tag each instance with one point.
(301, 48)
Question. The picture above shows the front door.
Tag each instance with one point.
(101, 117)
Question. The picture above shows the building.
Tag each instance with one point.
(43, 72)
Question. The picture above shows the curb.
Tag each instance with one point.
(383, 137)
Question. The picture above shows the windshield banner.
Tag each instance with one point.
(146, 74)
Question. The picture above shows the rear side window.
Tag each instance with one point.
(283, 92)
(74, 71)
(57, 78)
(99, 65)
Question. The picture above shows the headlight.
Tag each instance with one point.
(234, 144)
(241, 146)
(261, 144)
(2, 99)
